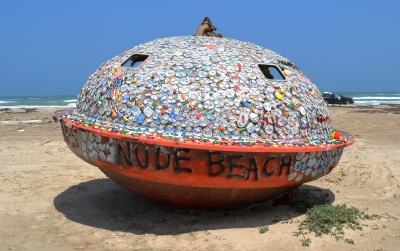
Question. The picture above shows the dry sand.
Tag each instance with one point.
(52, 200)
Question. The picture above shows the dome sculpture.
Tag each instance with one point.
(203, 122)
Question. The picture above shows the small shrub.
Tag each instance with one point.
(329, 219)
(263, 229)
(306, 243)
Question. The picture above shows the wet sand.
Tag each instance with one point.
(52, 200)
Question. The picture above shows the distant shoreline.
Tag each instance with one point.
(360, 99)
(4, 108)
(364, 108)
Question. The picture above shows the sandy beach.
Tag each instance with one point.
(52, 200)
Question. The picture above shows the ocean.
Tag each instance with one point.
(374, 98)
(37, 101)
(360, 98)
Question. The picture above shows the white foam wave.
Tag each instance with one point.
(5, 102)
(70, 100)
(34, 106)
(381, 94)
(372, 102)
(364, 104)
(395, 98)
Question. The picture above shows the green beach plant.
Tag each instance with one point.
(263, 229)
(329, 219)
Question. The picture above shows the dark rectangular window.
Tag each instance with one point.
(135, 60)
(271, 72)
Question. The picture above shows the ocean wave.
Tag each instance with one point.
(33, 106)
(71, 104)
(4, 102)
(355, 98)
(373, 102)
(381, 94)
(366, 103)
(70, 100)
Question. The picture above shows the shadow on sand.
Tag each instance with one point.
(103, 204)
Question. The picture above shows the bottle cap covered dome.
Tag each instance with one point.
(203, 122)
(205, 87)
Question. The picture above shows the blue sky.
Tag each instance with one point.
(51, 47)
